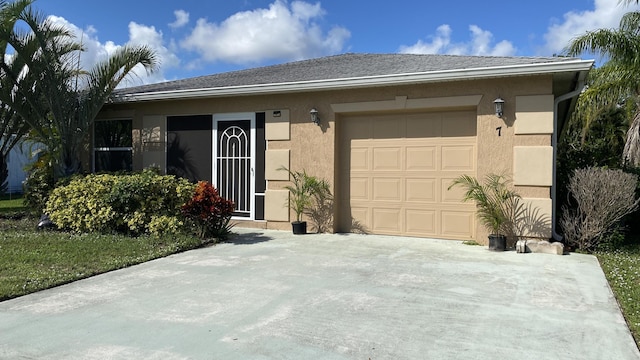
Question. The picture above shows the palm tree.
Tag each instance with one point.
(60, 100)
(617, 82)
(12, 128)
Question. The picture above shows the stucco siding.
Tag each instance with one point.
(314, 148)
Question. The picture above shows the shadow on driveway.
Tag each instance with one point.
(247, 238)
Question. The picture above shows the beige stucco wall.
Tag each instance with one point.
(313, 148)
(534, 114)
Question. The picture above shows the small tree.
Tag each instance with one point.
(599, 200)
(301, 191)
(495, 202)
(321, 213)
(46, 87)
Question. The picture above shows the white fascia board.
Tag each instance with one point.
(368, 81)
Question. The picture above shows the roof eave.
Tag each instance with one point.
(362, 82)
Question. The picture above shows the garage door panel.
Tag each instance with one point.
(421, 190)
(360, 188)
(387, 159)
(386, 220)
(360, 159)
(458, 158)
(360, 215)
(458, 224)
(398, 178)
(453, 196)
(421, 222)
(387, 189)
(421, 158)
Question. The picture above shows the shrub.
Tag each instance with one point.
(599, 200)
(38, 185)
(119, 203)
(165, 225)
(208, 213)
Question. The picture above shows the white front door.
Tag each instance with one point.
(234, 154)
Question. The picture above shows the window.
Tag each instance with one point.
(112, 146)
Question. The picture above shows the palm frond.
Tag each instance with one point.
(494, 200)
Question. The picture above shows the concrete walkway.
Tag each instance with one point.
(272, 295)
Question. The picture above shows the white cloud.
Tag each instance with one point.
(278, 32)
(606, 14)
(481, 43)
(96, 51)
(143, 35)
(182, 19)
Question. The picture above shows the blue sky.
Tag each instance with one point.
(197, 37)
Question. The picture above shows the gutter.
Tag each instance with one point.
(362, 82)
(554, 143)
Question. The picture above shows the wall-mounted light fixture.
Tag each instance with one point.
(499, 103)
(314, 116)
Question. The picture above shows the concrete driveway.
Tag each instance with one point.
(272, 295)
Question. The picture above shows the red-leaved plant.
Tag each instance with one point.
(208, 212)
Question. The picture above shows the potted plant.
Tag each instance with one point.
(301, 197)
(495, 204)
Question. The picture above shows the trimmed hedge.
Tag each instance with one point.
(132, 204)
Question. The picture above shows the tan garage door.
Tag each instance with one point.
(396, 170)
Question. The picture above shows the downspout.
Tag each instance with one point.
(554, 144)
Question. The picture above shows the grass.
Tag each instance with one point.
(32, 260)
(471, 243)
(11, 204)
(622, 269)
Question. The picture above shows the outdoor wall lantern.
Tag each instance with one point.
(499, 103)
(314, 116)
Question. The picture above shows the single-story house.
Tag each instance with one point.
(391, 132)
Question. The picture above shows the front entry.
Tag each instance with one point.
(233, 155)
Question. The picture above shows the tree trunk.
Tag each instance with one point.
(631, 152)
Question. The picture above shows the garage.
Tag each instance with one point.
(395, 169)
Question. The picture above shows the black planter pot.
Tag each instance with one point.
(497, 242)
(299, 227)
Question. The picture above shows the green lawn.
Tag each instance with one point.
(10, 204)
(622, 269)
(32, 260)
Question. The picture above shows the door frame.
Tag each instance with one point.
(217, 118)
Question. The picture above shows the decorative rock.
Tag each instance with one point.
(45, 223)
(539, 246)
